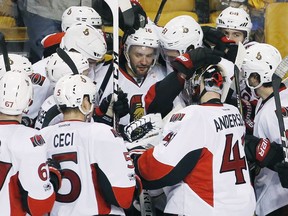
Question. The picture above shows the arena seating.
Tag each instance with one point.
(276, 23)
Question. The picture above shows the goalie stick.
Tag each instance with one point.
(159, 12)
(277, 77)
(66, 58)
(4, 52)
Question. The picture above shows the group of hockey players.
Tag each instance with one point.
(177, 138)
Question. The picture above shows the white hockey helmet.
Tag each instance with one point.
(235, 18)
(181, 33)
(263, 59)
(71, 89)
(16, 92)
(76, 14)
(217, 78)
(17, 62)
(57, 68)
(87, 40)
(145, 37)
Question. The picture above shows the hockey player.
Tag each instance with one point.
(235, 23)
(88, 41)
(259, 66)
(179, 35)
(17, 62)
(95, 185)
(24, 180)
(138, 71)
(200, 161)
(56, 68)
(39, 81)
(71, 16)
(91, 45)
(85, 39)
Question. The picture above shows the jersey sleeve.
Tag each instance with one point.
(114, 168)
(160, 96)
(34, 175)
(169, 162)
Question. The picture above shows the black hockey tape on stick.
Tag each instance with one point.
(4, 52)
(159, 12)
(114, 6)
(277, 77)
(66, 58)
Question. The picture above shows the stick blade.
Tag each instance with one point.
(282, 68)
(241, 54)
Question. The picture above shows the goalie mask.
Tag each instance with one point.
(143, 37)
(181, 34)
(235, 18)
(76, 14)
(17, 62)
(16, 92)
(71, 89)
(85, 39)
(215, 78)
(261, 61)
(57, 68)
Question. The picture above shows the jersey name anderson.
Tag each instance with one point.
(228, 121)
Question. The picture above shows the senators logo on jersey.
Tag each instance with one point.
(177, 117)
(37, 79)
(136, 108)
(37, 140)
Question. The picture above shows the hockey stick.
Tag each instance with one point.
(114, 6)
(4, 52)
(241, 53)
(159, 12)
(66, 58)
(277, 77)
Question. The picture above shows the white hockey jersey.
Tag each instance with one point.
(135, 91)
(49, 114)
(201, 163)
(270, 194)
(41, 85)
(95, 164)
(23, 162)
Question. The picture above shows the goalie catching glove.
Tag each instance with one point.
(144, 133)
(262, 151)
(194, 59)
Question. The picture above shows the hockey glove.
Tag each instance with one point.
(215, 38)
(248, 115)
(194, 59)
(140, 19)
(27, 121)
(55, 173)
(261, 151)
(105, 111)
(282, 170)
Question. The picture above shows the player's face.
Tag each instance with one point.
(234, 35)
(170, 55)
(253, 80)
(141, 59)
